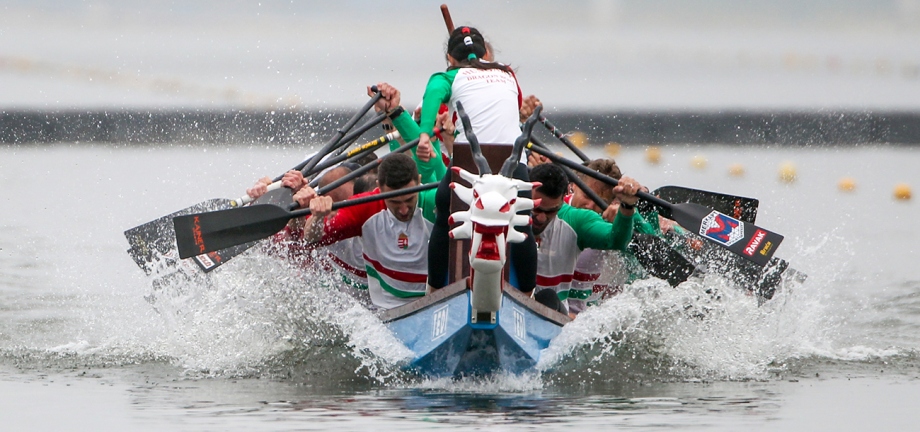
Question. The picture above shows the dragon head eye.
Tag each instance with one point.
(479, 204)
(505, 208)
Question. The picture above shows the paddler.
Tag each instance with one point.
(563, 231)
(394, 231)
(492, 99)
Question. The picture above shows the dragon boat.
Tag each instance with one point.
(479, 323)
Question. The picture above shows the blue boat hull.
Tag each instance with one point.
(440, 330)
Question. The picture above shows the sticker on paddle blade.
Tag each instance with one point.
(722, 228)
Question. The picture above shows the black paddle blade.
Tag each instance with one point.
(201, 233)
(212, 260)
(741, 208)
(153, 243)
(660, 260)
(743, 238)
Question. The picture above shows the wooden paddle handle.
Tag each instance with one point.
(447, 21)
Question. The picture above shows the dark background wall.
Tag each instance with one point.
(298, 127)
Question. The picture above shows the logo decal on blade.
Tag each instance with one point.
(755, 242)
(722, 228)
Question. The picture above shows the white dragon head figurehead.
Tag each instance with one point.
(490, 221)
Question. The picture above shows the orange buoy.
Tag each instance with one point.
(698, 162)
(736, 170)
(787, 173)
(846, 184)
(579, 139)
(653, 155)
(902, 192)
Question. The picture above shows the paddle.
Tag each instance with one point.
(151, 244)
(653, 253)
(738, 207)
(743, 238)
(284, 197)
(201, 233)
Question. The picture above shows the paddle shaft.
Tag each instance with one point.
(598, 201)
(353, 154)
(596, 175)
(565, 140)
(361, 171)
(343, 130)
(367, 167)
(353, 135)
(370, 198)
(314, 160)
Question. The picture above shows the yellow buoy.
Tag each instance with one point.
(902, 192)
(787, 172)
(736, 170)
(846, 184)
(612, 149)
(698, 162)
(653, 155)
(579, 139)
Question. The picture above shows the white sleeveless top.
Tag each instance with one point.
(490, 98)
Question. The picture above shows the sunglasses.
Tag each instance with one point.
(551, 211)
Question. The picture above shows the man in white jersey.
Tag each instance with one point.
(394, 231)
(563, 231)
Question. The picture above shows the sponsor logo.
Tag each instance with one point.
(403, 241)
(439, 322)
(722, 228)
(196, 233)
(755, 242)
(205, 261)
(766, 248)
(520, 331)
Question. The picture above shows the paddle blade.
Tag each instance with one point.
(741, 208)
(207, 232)
(660, 260)
(153, 243)
(743, 238)
(212, 260)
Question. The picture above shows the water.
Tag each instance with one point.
(87, 343)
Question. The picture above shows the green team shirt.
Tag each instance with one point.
(594, 232)
(434, 169)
